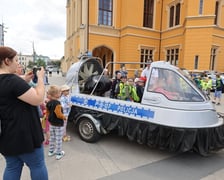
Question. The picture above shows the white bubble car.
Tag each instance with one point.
(173, 114)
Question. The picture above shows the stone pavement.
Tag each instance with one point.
(117, 158)
(219, 108)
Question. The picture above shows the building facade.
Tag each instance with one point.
(187, 33)
(24, 60)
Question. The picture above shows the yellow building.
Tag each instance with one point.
(187, 33)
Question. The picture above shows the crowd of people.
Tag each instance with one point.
(205, 83)
(129, 89)
(132, 89)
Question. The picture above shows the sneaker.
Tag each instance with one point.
(60, 155)
(51, 153)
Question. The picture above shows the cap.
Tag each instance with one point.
(65, 87)
(142, 79)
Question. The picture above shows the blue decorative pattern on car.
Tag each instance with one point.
(112, 107)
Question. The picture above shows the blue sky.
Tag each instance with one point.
(40, 21)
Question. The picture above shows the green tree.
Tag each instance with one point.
(56, 63)
(38, 63)
(30, 64)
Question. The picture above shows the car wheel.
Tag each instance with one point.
(87, 130)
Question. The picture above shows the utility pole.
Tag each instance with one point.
(2, 34)
(34, 54)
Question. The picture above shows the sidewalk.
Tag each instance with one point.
(219, 108)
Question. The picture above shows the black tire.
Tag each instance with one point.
(87, 130)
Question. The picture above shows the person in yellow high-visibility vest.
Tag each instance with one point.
(204, 85)
(209, 85)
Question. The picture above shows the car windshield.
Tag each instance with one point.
(172, 86)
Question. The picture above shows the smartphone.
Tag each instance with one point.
(35, 74)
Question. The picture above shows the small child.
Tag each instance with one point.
(56, 119)
(66, 105)
(133, 90)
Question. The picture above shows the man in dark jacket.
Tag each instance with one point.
(140, 86)
(115, 84)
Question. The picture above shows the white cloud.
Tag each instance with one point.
(40, 21)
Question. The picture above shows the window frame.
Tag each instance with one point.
(145, 54)
(148, 13)
(196, 61)
(217, 4)
(172, 55)
(213, 55)
(201, 6)
(174, 14)
(105, 12)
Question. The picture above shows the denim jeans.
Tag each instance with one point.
(35, 162)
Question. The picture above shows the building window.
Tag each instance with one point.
(146, 53)
(196, 59)
(174, 15)
(212, 59)
(216, 12)
(201, 3)
(172, 56)
(105, 12)
(148, 13)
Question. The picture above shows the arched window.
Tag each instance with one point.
(174, 15)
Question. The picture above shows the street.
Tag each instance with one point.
(115, 157)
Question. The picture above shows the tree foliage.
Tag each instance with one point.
(38, 63)
(55, 63)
